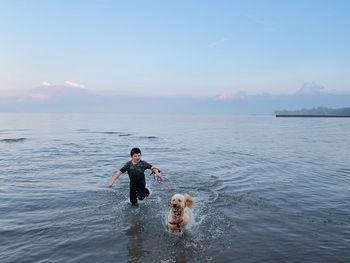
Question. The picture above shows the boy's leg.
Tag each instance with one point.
(133, 196)
(142, 193)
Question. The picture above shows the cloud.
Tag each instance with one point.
(69, 91)
(72, 84)
(225, 96)
(310, 88)
(46, 84)
(67, 83)
(64, 99)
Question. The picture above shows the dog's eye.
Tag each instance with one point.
(179, 200)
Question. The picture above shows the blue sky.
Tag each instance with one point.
(188, 49)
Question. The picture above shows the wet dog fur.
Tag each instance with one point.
(180, 212)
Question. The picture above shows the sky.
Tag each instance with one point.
(173, 49)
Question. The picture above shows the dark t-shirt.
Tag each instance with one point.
(136, 172)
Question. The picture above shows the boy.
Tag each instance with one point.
(136, 169)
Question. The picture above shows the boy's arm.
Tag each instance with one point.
(115, 177)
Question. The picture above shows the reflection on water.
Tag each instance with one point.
(136, 240)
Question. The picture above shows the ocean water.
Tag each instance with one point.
(267, 189)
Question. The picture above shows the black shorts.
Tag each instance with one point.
(138, 193)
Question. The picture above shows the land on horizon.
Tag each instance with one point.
(315, 112)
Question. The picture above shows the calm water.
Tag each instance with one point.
(267, 189)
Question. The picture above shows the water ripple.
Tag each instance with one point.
(266, 190)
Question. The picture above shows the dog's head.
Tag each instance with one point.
(179, 201)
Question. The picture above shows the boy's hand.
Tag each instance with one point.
(110, 183)
(159, 177)
(114, 178)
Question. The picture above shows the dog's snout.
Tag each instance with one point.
(174, 205)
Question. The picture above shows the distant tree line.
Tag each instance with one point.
(316, 111)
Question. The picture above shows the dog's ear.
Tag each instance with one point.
(189, 201)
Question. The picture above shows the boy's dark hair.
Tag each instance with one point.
(135, 150)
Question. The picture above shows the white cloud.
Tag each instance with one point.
(72, 84)
(67, 84)
(46, 84)
(49, 92)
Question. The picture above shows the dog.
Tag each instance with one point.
(180, 212)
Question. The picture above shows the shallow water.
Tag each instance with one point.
(267, 189)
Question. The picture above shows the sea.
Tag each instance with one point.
(267, 189)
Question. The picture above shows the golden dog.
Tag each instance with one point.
(180, 212)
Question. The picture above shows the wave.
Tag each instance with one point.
(119, 133)
(11, 130)
(115, 133)
(124, 134)
(241, 153)
(13, 140)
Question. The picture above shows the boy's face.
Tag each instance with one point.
(136, 157)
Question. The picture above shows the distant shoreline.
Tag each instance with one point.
(319, 112)
(310, 115)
